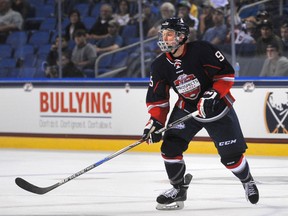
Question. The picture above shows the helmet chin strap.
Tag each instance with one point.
(175, 50)
(179, 45)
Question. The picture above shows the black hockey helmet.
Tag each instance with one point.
(179, 26)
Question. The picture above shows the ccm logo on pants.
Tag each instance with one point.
(229, 142)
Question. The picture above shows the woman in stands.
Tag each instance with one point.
(74, 24)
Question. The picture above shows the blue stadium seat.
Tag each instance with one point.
(104, 64)
(129, 31)
(44, 11)
(39, 38)
(7, 63)
(119, 59)
(95, 10)
(17, 39)
(89, 21)
(4, 72)
(44, 49)
(83, 8)
(37, 2)
(27, 72)
(26, 49)
(48, 24)
(29, 60)
(5, 51)
(12, 72)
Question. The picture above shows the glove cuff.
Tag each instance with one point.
(210, 91)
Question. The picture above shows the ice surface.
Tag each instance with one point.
(129, 184)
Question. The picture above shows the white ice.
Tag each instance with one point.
(129, 184)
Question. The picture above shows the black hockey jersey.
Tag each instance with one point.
(201, 67)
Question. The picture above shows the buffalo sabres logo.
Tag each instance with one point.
(277, 112)
(188, 86)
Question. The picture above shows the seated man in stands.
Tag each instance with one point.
(284, 36)
(112, 41)
(53, 53)
(69, 70)
(84, 53)
(167, 10)
(184, 12)
(275, 64)
(100, 28)
(216, 34)
(267, 37)
(10, 20)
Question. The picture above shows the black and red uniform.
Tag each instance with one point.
(201, 67)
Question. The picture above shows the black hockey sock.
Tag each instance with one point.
(244, 175)
(175, 172)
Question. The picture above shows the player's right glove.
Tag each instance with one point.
(148, 135)
(207, 104)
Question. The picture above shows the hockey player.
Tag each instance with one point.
(202, 77)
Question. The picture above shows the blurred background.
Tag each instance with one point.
(48, 39)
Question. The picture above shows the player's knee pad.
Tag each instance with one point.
(234, 162)
(173, 147)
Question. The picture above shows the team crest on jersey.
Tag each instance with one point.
(276, 112)
(188, 86)
(177, 63)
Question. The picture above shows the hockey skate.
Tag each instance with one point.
(173, 199)
(251, 191)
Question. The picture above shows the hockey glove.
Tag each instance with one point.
(149, 135)
(207, 104)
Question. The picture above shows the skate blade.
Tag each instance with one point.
(171, 206)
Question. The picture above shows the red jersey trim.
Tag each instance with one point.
(180, 157)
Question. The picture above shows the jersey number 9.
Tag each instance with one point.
(219, 55)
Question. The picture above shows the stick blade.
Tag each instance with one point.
(33, 188)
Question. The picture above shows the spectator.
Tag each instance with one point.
(23, 7)
(240, 32)
(100, 29)
(148, 18)
(69, 69)
(74, 24)
(112, 41)
(184, 12)
(122, 16)
(53, 53)
(205, 19)
(167, 10)
(262, 15)
(10, 20)
(284, 36)
(251, 28)
(275, 64)
(83, 54)
(194, 9)
(267, 37)
(216, 34)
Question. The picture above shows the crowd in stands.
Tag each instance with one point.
(30, 42)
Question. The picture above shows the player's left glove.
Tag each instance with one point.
(148, 134)
(207, 104)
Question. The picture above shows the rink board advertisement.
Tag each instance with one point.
(120, 111)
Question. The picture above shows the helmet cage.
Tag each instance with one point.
(179, 27)
(168, 46)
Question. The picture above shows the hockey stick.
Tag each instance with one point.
(42, 190)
